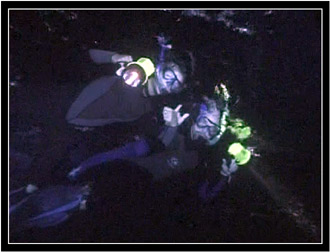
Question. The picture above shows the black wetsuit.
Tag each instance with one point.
(179, 153)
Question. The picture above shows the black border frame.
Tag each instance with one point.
(166, 5)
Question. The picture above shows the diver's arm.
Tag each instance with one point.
(103, 57)
(173, 119)
(207, 192)
(167, 135)
(164, 46)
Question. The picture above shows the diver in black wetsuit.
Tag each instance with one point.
(177, 146)
(123, 98)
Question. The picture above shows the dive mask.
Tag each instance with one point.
(169, 79)
(209, 125)
(206, 125)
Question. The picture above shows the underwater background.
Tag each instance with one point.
(271, 60)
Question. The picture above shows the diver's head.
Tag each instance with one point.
(168, 80)
(206, 125)
(171, 76)
(211, 121)
(137, 73)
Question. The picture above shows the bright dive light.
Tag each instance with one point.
(146, 66)
(241, 155)
(132, 78)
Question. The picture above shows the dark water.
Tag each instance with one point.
(275, 72)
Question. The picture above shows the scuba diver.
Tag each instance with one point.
(176, 148)
(122, 98)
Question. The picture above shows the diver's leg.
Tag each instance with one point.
(133, 149)
(29, 189)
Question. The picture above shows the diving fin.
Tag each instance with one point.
(48, 221)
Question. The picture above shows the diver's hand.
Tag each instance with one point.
(120, 71)
(172, 117)
(228, 171)
(73, 174)
(163, 41)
